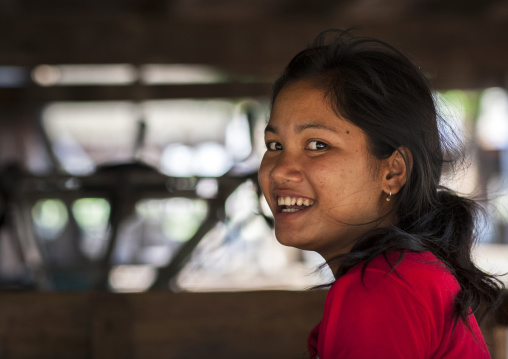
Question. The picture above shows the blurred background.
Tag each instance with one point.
(131, 133)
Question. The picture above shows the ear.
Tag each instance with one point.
(396, 169)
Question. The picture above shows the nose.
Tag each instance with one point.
(286, 168)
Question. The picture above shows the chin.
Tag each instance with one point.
(294, 241)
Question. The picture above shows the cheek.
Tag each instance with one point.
(338, 184)
(326, 176)
(264, 175)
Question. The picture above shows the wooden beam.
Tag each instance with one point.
(10, 96)
(158, 325)
(457, 51)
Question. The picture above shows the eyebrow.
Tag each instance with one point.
(270, 128)
(303, 127)
(320, 126)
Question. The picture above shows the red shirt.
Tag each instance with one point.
(406, 313)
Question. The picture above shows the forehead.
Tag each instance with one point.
(301, 103)
(301, 94)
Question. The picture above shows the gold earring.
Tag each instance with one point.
(390, 196)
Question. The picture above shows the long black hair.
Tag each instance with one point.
(378, 89)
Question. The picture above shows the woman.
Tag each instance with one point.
(352, 171)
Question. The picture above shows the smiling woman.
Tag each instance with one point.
(352, 171)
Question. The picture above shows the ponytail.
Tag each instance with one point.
(455, 233)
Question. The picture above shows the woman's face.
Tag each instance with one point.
(320, 181)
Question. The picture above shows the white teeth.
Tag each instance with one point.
(290, 210)
(288, 201)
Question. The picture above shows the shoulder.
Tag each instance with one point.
(414, 279)
(415, 273)
(404, 304)
(397, 309)
(391, 285)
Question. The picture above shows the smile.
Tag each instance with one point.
(294, 204)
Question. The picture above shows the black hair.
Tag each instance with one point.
(377, 88)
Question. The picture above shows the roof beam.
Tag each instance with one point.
(456, 52)
(34, 94)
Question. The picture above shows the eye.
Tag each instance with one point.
(316, 145)
(273, 146)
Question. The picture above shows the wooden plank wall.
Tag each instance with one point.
(272, 324)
